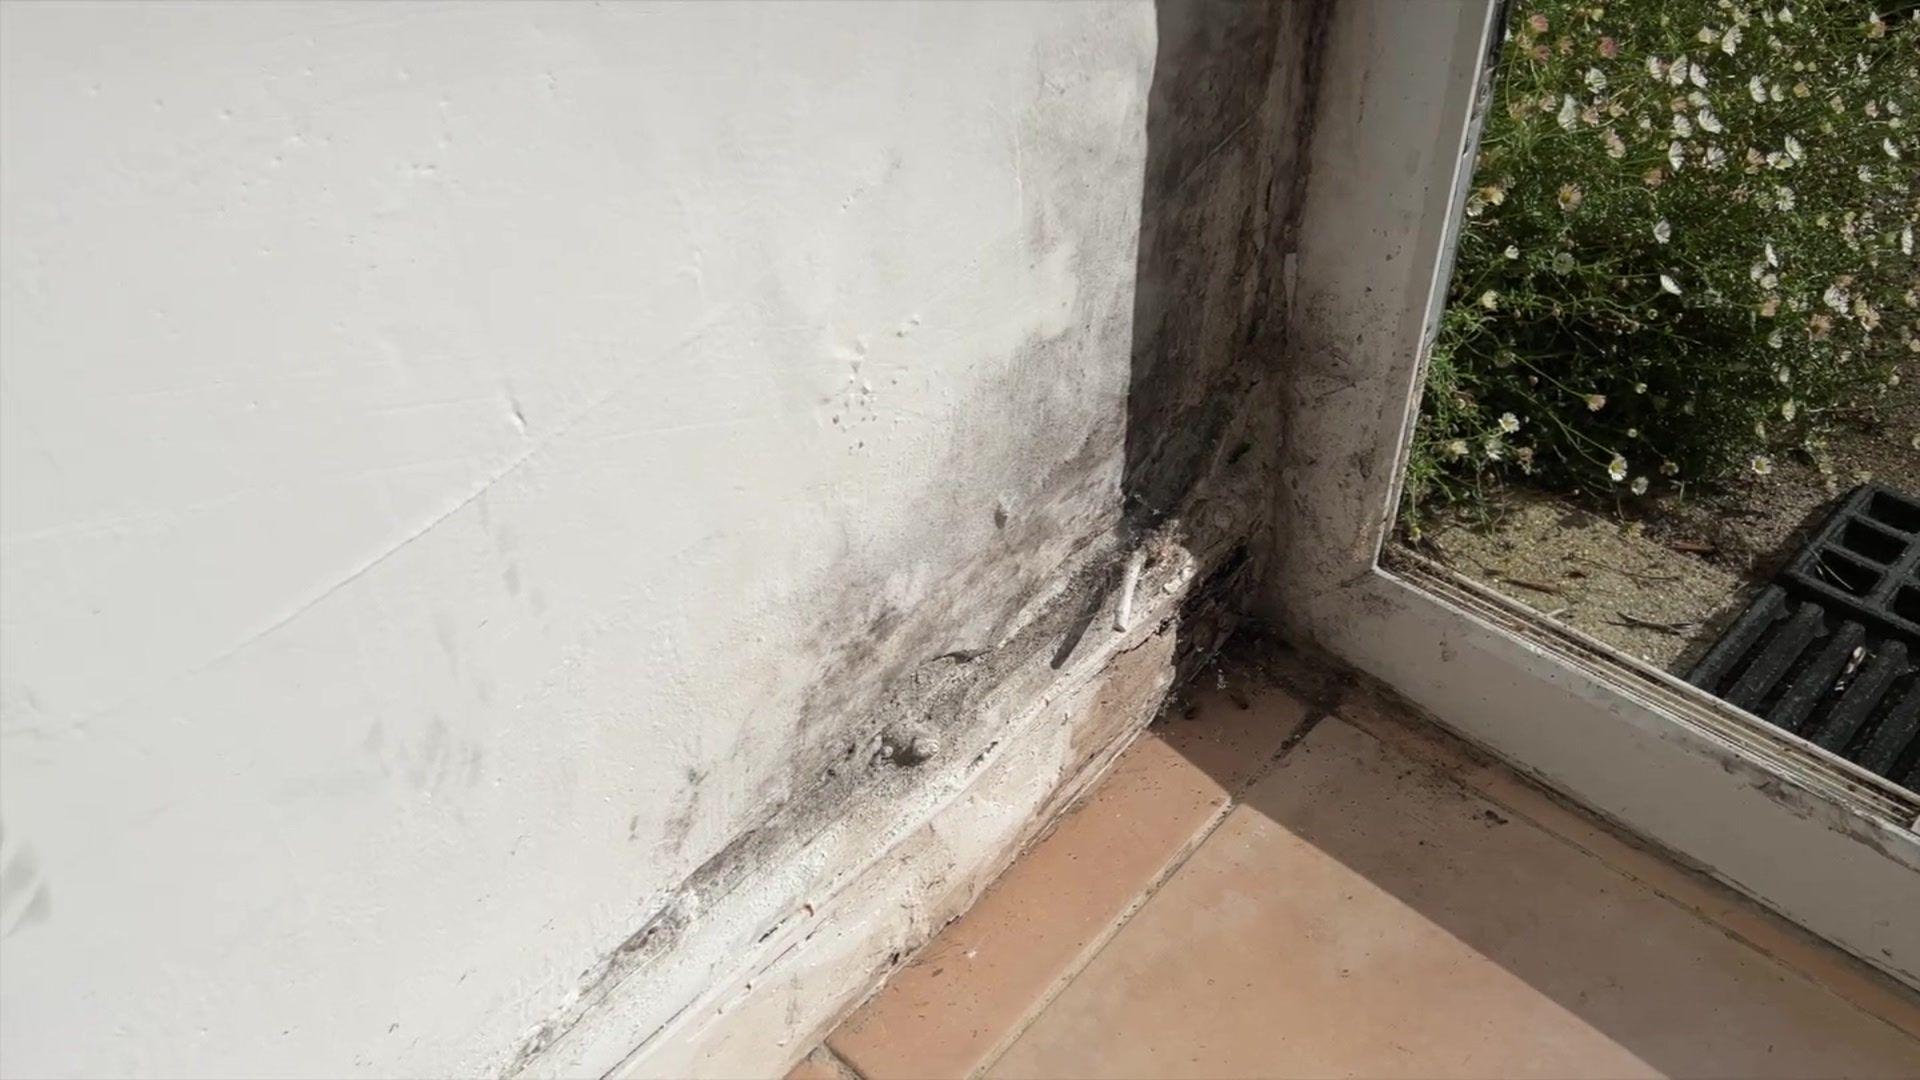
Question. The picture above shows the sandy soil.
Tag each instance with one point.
(1660, 581)
(1603, 576)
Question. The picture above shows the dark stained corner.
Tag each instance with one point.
(1226, 130)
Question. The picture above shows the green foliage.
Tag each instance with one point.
(1691, 239)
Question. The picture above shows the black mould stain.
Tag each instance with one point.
(1190, 456)
(1225, 173)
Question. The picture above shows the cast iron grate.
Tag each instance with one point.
(1831, 650)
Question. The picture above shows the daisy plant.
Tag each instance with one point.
(1689, 242)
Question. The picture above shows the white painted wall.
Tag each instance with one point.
(440, 447)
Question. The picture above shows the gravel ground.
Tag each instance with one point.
(1661, 582)
(1605, 577)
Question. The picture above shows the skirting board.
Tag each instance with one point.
(764, 1023)
(820, 931)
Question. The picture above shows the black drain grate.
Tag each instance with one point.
(1831, 650)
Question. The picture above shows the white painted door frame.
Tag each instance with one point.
(1824, 843)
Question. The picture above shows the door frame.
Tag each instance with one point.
(1826, 844)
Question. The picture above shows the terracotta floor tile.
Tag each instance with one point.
(968, 992)
(1359, 914)
(1845, 975)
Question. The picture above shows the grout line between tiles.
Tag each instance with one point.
(847, 1071)
(1319, 709)
(1092, 777)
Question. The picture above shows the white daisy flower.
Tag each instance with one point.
(1662, 230)
(1512, 252)
(1682, 126)
(1568, 111)
(1762, 465)
(1698, 75)
(1677, 72)
(1906, 240)
(1706, 36)
(1730, 41)
(1596, 80)
(1772, 259)
(1509, 423)
(1697, 99)
(1794, 149)
(1457, 448)
(1789, 409)
(1616, 146)
(1617, 469)
(1493, 449)
(1836, 297)
(1656, 67)
(1775, 340)
(1639, 485)
(1676, 156)
(1596, 402)
(1865, 173)
(1708, 122)
(1892, 150)
(1785, 15)
(1667, 284)
(1757, 90)
(1716, 158)
(1490, 300)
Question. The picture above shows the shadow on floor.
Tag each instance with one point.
(1374, 901)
